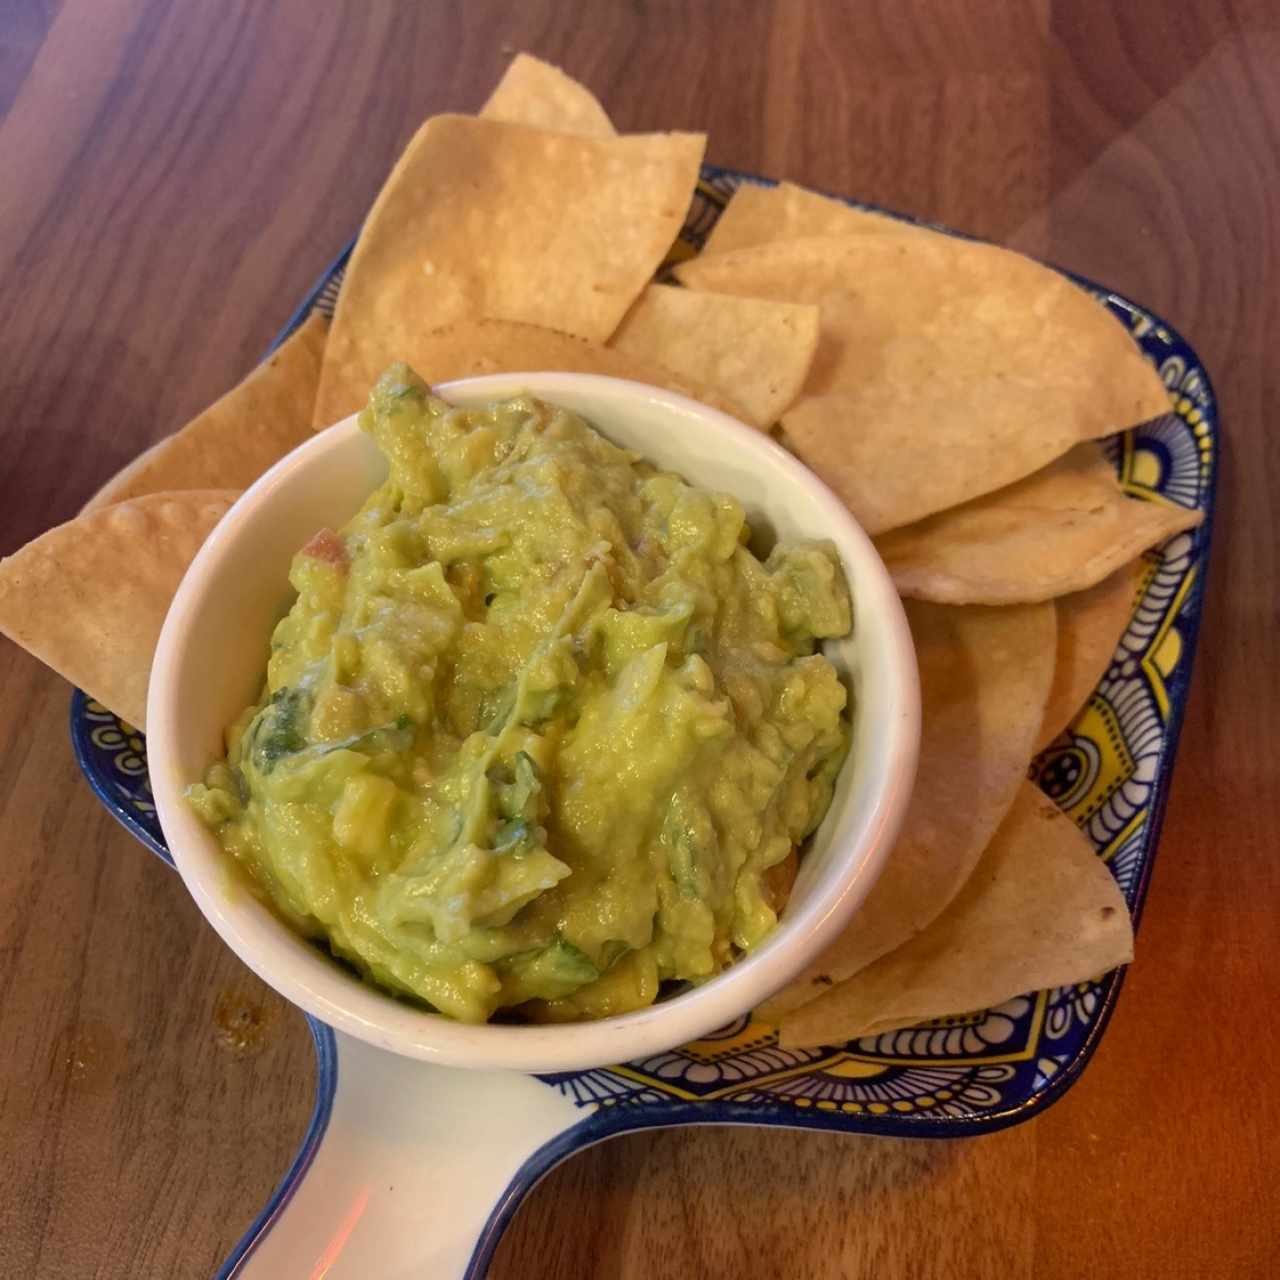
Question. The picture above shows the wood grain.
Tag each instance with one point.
(174, 174)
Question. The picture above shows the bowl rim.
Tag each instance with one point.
(311, 980)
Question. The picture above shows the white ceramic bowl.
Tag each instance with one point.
(212, 653)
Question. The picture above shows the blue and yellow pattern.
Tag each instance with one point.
(1110, 771)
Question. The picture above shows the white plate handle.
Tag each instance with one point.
(412, 1163)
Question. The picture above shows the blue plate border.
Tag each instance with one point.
(326, 1049)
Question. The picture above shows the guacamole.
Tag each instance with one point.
(540, 728)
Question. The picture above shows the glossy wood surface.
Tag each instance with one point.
(173, 176)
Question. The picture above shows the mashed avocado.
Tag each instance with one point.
(539, 723)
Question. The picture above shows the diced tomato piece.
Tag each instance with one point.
(327, 546)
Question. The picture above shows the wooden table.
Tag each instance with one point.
(175, 173)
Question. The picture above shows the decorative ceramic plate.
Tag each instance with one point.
(964, 1075)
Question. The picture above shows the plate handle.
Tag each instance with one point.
(405, 1167)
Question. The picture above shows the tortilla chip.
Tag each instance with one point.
(757, 352)
(535, 93)
(1091, 624)
(780, 879)
(945, 368)
(121, 485)
(984, 678)
(470, 348)
(758, 215)
(238, 437)
(1040, 910)
(1061, 530)
(482, 218)
(88, 598)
